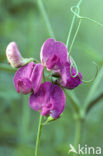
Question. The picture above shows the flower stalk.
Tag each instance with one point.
(38, 135)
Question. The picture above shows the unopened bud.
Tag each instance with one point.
(13, 55)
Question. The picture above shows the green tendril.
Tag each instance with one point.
(84, 81)
(74, 37)
(72, 23)
(89, 81)
(73, 64)
(85, 18)
(76, 11)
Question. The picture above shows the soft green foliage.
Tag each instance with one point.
(21, 21)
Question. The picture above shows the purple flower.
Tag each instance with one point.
(28, 78)
(53, 54)
(13, 55)
(50, 100)
(69, 80)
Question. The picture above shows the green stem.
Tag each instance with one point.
(70, 31)
(77, 133)
(73, 96)
(68, 39)
(74, 37)
(5, 67)
(94, 102)
(25, 120)
(45, 17)
(38, 135)
(72, 23)
(74, 100)
(93, 89)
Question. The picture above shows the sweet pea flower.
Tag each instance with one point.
(53, 54)
(50, 100)
(68, 79)
(28, 78)
(13, 55)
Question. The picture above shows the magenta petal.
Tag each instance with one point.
(36, 77)
(24, 86)
(53, 54)
(28, 78)
(58, 101)
(50, 100)
(22, 78)
(68, 81)
(39, 99)
(53, 63)
(35, 102)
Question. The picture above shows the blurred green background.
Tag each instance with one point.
(21, 21)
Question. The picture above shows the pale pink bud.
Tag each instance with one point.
(13, 55)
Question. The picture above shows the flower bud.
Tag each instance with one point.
(13, 55)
